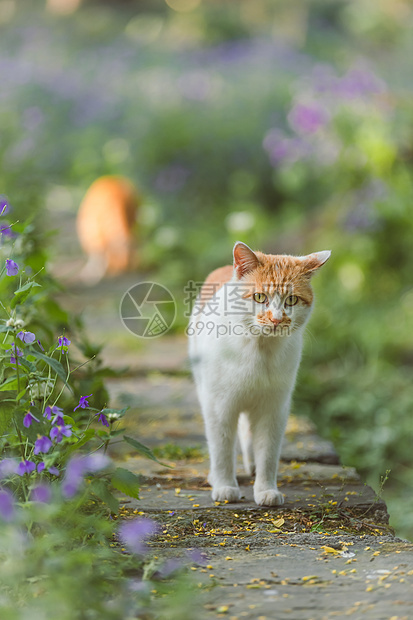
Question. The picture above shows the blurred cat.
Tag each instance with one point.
(105, 224)
(62, 7)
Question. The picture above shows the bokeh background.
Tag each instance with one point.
(285, 124)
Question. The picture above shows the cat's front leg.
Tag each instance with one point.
(221, 434)
(268, 432)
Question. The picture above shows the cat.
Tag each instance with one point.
(245, 343)
(105, 223)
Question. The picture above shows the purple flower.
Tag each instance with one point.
(12, 268)
(28, 419)
(70, 488)
(25, 467)
(43, 444)
(47, 413)
(281, 148)
(64, 342)
(41, 467)
(49, 410)
(96, 462)
(14, 352)
(307, 118)
(58, 432)
(40, 345)
(102, 418)
(7, 467)
(41, 493)
(5, 230)
(58, 420)
(53, 470)
(78, 467)
(6, 505)
(83, 403)
(133, 534)
(358, 82)
(27, 337)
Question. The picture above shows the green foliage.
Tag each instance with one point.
(61, 558)
(59, 553)
(125, 481)
(172, 452)
(141, 449)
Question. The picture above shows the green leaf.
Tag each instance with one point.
(28, 365)
(21, 394)
(120, 412)
(125, 481)
(99, 488)
(87, 436)
(22, 293)
(55, 365)
(6, 417)
(5, 328)
(119, 431)
(142, 449)
(9, 384)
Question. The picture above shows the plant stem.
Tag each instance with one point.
(17, 368)
(22, 450)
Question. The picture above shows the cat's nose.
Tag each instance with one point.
(275, 321)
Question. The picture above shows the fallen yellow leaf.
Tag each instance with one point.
(331, 550)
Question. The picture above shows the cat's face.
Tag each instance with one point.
(276, 289)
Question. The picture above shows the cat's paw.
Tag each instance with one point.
(229, 494)
(271, 497)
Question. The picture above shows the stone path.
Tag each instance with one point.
(328, 552)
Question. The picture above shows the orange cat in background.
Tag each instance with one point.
(105, 223)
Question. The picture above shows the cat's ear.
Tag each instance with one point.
(312, 262)
(244, 259)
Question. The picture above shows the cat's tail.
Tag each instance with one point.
(245, 441)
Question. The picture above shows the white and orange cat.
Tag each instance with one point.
(105, 224)
(246, 337)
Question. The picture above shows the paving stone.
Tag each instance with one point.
(195, 471)
(307, 498)
(298, 579)
(168, 354)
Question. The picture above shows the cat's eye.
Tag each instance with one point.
(260, 298)
(291, 300)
